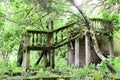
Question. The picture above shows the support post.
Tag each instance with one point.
(111, 51)
(20, 55)
(52, 61)
(52, 51)
(87, 49)
(39, 58)
(26, 57)
(71, 56)
(45, 58)
(77, 51)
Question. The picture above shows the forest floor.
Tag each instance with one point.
(62, 70)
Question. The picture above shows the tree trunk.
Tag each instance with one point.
(92, 35)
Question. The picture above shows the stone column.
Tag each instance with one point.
(87, 49)
(77, 51)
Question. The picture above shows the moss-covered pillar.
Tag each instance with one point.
(52, 59)
(26, 56)
(87, 49)
(77, 51)
(111, 51)
(71, 56)
(51, 42)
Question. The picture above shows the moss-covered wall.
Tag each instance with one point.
(103, 43)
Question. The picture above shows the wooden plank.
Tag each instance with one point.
(39, 48)
(64, 27)
(38, 32)
(67, 41)
(39, 59)
(99, 19)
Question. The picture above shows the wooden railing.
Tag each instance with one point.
(37, 38)
(61, 36)
(101, 25)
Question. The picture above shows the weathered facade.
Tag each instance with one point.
(103, 43)
(80, 49)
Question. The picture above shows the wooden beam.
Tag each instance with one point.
(39, 59)
(40, 48)
(99, 19)
(38, 32)
(87, 49)
(69, 40)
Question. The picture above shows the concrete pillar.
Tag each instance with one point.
(77, 51)
(26, 59)
(87, 49)
(26, 55)
(111, 51)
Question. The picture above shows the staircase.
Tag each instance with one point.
(51, 40)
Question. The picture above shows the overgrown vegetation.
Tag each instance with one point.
(17, 16)
(96, 72)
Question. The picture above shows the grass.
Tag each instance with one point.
(91, 72)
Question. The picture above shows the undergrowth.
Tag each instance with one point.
(91, 72)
